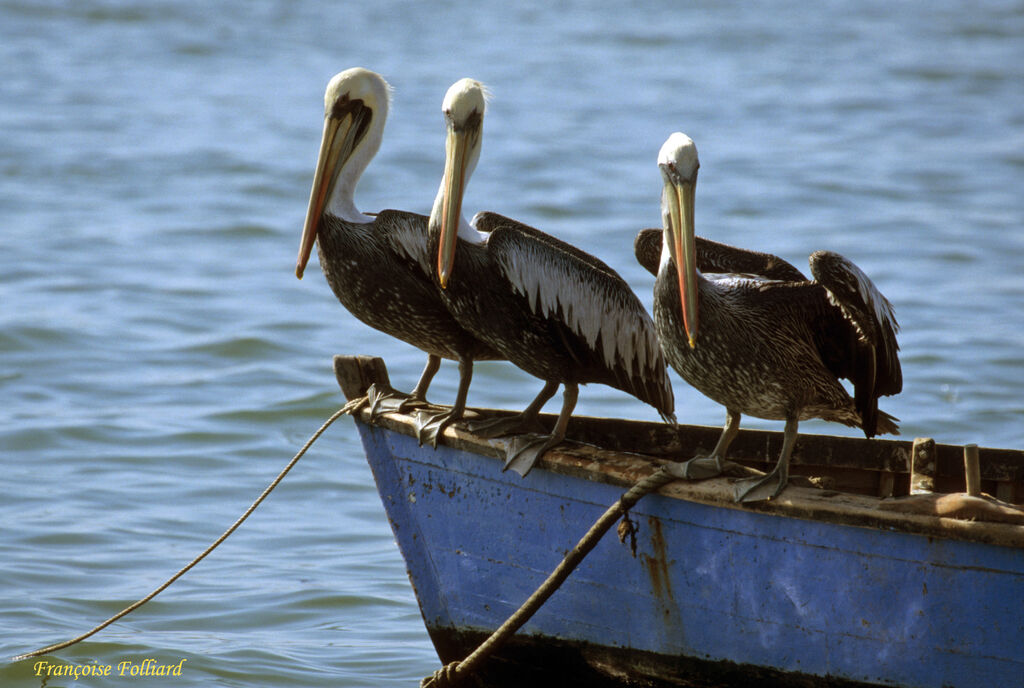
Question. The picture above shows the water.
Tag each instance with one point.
(159, 362)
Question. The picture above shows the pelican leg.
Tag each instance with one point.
(419, 393)
(523, 422)
(701, 467)
(771, 486)
(430, 428)
(524, 450)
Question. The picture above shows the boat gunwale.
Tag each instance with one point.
(624, 468)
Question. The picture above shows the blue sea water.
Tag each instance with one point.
(159, 362)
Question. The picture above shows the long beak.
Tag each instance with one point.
(680, 239)
(335, 147)
(457, 145)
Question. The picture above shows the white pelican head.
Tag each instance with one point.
(679, 164)
(355, 109)
(463, 107)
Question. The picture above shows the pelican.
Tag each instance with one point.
(770, 348)
(378, 266)
(552, 310)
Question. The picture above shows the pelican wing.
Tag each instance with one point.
(407, 235)
(806, 310)
(863, 305)
(490, 222)
(877, 371)
(647, 249)
(723, 258)
(561, 282)
(716, 258)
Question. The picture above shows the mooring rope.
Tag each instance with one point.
(127, 610)
(451, 674)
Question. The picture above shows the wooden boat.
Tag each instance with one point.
(844, 580)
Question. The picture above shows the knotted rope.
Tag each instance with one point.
(454, 672)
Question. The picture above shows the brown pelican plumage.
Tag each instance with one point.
(554, 311)
(770, 348)
(378, 266)
(716, 258)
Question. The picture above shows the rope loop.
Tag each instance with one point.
(445, 677)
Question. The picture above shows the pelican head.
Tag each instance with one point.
(355, 108)
(463, 108)
(679, 164)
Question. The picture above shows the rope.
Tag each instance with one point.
(218, 541)
(451, 674)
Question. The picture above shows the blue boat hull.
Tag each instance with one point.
(713, 593)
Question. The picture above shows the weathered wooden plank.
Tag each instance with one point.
(855, 464)
(355, 374)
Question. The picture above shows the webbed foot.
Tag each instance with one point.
(771, 485)
(411, 403)
(522, 422)
(510, 425)
(524, 451)
(429, 427)
(760, 489)
(701, 468)
(384, 399)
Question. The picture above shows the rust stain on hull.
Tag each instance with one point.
(658, 566)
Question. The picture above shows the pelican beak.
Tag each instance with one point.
(681, 242)
(343, 129)
(458, 145)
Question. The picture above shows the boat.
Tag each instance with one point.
(871, 569)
